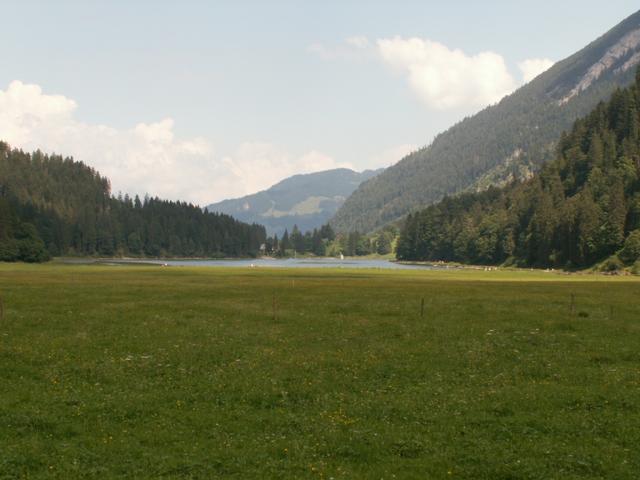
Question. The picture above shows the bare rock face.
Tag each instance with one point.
(626, 45)
(629, 64)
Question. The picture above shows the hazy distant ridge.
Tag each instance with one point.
(307, 200)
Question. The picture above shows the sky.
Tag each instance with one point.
(207, 100)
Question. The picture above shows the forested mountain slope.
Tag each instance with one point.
(307, 200)
(505, 141)
(580, 208)
(50, 205)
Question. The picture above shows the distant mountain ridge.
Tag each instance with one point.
(307, 200)
(509, 140)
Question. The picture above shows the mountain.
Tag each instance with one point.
(581, 208)
(308, 200)
(509, 140)
(50, 205)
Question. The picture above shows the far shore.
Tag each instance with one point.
(439, 265)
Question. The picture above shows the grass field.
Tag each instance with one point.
(149, 372)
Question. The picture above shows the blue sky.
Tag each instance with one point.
(207, 100)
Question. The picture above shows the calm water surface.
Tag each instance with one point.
(286, 263)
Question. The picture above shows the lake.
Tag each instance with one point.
(283, 263)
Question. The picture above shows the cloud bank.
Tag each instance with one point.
(147, 158)
(442, 78)
(391, 155)
(354, 48)
(533, 67)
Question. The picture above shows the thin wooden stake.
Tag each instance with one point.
(422, 308)
(275, 311)
(572, 307)
(1, 309)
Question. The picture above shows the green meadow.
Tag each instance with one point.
(150, 372)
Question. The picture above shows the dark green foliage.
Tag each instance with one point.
(9, 250)
(631, 251)
(19, 241)
(55, 205)
(612, 265)
(502, 142)
(314, 242)
(297, 239)
(383, 241)
(577, 210)
(324, 241)
(29, 244)
(285, 244)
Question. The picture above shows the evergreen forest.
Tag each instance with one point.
(55, 206)
(581, 208)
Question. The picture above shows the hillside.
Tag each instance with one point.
(505, 141)
(581, 208)
(307, 201)
(50, 205)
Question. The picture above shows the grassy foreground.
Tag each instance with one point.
(149, 372)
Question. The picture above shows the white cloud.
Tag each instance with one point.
(533, 67)
(23, 108)
(258, 165)
(390, 156)
(147, 158)
(444, 78)
(358, 42)
(441, 77)
(353, 48)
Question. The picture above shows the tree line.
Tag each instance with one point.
(326, 242)
(52, 205)
(580, 208)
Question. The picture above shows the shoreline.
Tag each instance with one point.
(162, 261)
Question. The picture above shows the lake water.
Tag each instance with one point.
(285, 263)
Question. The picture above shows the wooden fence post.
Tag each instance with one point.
(274, 307)
(572, 306)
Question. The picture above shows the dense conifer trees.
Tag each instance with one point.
(580, 208)
(50, 205)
